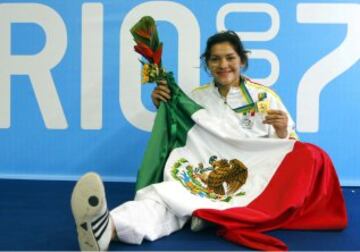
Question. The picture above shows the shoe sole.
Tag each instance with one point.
(88, 191)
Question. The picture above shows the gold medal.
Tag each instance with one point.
(263, 106)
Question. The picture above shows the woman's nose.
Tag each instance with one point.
(223, 63)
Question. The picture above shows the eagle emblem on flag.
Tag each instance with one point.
(221, 180)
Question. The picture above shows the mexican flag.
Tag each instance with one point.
(200, 163)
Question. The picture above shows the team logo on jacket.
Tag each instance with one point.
(246, 122)
(221, 180)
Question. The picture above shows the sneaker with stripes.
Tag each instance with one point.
(93, 223)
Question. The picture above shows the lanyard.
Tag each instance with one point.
(251, 105)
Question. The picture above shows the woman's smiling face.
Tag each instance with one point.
(225, 64)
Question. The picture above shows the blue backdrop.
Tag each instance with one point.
(70, 93)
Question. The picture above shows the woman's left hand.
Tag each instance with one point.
(279, 120)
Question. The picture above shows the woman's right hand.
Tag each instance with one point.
(160, 93)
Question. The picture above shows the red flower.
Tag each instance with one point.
(143, 33)
(157, 55)
(144, 50)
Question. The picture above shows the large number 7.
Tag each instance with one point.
(330, 66)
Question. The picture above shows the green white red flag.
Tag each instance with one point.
(290, 185)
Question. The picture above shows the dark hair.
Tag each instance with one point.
(222, 37)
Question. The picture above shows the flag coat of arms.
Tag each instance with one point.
(201, 163)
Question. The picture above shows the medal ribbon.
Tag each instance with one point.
(251, 104)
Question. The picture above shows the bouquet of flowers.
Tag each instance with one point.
(148, 45)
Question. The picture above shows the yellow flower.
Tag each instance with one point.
(145, 74)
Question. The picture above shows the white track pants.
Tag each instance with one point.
(144, 219)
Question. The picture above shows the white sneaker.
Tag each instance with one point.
(88, 205)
